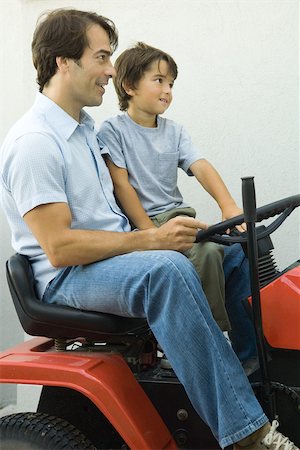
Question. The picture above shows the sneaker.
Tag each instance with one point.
(165, 363)
(273, 440)
(250, 366)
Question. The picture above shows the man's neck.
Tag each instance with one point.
(59, 97)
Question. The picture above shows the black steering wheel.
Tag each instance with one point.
(215, 233)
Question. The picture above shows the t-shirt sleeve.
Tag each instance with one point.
(35, 173)
(110, 140)
(188, 153)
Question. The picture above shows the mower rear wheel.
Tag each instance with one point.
(39, 431)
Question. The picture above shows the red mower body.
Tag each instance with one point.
(105, 379)
(280, 305)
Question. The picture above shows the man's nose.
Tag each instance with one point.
(110, 70)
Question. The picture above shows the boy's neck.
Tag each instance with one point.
(143, 119)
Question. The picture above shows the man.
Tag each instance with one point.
(58, 198)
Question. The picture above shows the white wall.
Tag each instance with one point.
(237, 91)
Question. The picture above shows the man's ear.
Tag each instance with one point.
(62, 63)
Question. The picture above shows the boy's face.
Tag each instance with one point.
(153, 93)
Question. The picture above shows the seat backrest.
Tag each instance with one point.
(57, 321)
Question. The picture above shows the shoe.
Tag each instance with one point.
(273, 440)
(165, 363)
(251, 365)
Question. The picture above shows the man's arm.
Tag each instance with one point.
(212, 182)
(64, 246)
(128, 197)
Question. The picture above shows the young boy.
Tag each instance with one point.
(144, 152)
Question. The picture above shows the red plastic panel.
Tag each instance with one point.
(280, 302)
(104, 378)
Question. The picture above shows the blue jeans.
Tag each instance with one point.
(164, 287)
(237, 288)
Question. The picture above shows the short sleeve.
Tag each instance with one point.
(35, 172)
(188, 153)
(111, 140)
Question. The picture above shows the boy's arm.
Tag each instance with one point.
(212, 182)
(128, 197)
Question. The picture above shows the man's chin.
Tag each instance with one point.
(95, 102)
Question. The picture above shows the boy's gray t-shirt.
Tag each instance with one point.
(152, 157)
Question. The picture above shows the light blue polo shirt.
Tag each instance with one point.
(152, 157)
(49, 157)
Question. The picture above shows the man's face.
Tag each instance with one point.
(91, 73)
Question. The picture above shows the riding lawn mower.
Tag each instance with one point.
(105, 384)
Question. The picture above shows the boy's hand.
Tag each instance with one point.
(178, 233)
(233, 211)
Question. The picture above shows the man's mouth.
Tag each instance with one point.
(101, 85)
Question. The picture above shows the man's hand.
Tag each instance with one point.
(177, 234)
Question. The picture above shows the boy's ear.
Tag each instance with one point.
(128, 89)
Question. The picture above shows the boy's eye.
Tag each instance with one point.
(161, 80)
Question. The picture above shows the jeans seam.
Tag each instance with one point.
(242, 409)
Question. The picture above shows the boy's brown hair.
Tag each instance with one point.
(62, 32)
(132, 64)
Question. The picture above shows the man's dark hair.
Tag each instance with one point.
(131, 66)
(62, 32)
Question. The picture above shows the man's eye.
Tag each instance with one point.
(158, 80)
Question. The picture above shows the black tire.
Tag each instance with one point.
(38, 431)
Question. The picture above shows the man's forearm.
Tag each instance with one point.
(66, 246)
(79, 247)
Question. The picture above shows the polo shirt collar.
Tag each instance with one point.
(61, 121)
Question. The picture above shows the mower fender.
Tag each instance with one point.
(280, 303)
(104, 378)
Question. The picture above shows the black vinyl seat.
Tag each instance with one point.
(57, 321)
